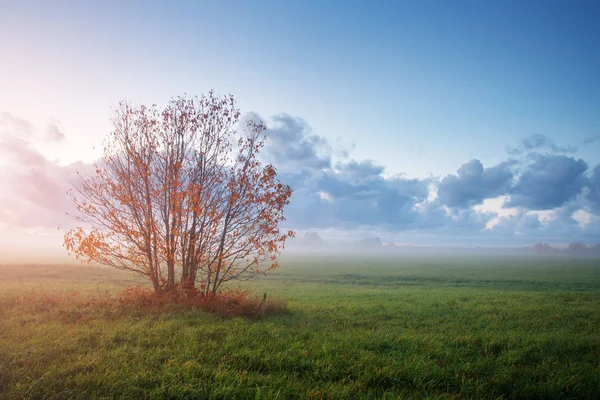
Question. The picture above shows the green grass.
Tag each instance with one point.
(428, 327)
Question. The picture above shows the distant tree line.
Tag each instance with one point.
(370, 243)
(577, 248)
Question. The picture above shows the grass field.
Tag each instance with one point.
(421, 327)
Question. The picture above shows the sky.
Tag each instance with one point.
(429, 122)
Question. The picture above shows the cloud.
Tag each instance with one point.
(18, 126)
(345, 196)
(291, 145)
(520, 224)
(360, 169)
(37, 196)
(538, 141)
(39, 186)
(549, 182)
(34, 187)
(565, 226)
(19, 151)
(341, 150)
(591, 139)
(354, 194)
(53, 134)
(18, 138)
(593, 195)
(472, 184)
(445, 221)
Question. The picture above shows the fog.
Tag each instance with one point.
(48, 250)
(311, 243)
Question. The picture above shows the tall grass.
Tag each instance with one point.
(74, 307)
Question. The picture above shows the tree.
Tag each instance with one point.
(577, 248)
(312, 239)
(543, 248)
(179, 200)
(371, 243)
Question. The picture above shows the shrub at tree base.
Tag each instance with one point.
(227, 303)
(72, 307)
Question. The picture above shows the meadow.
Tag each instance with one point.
(409, 327)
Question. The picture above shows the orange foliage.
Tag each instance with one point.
(180, 200)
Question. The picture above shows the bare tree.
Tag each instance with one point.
(180, 200)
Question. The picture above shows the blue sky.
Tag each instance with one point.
(418, 88)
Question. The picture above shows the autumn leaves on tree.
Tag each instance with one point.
(182, 198)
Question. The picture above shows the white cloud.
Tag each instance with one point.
(326, 196)
(582, 216)
(544, 216)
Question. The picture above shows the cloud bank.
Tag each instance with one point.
(34, 187)
(539, 193)
(541, 188)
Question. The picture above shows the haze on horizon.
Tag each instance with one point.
(437, 124)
